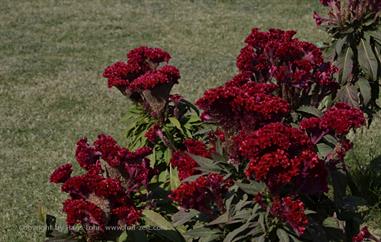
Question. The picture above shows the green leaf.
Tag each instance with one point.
(310, 110)
(174, 180)
(122, 237)
(136, 236)
(182, 216)
(175, 123)
(252, 188)
(340, 44)
(365, 90)
(345, 63)
(222, 219)
(324, 149)
(168, 231)
(367, 59)
(282, 235)
(348, 94)
(201, 232)
(205, 163)
(230, 236)
(331, 222)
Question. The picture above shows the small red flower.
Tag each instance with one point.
(61, 174)
(292, 212)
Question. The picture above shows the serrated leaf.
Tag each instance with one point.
(348, 94)
(252, 188)
(365, 90)
(367, 59)
(282, 235)
(310, 110)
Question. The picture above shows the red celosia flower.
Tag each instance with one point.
(184, 163)
(129, 215)
(81, 186)
(61, 174)
(143, 54)
(85, 154)
(109, 149)
(152, 133)
(292, 212)
(140, 61)
(341, 118)
(277, 55)
(237, 106)
(120, 74)
(79, 211)
(108, 187)
(202, 193)
(138, 174)
(280, 155)
(165, 75)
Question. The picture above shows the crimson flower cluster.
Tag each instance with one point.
(281, 156)
(337, 121)
(185, 164)
(291, 62)
(242, 104)
(291, 211)
(205, 194)
(104, 194)
(141, 71)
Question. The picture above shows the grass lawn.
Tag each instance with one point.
(52, 54)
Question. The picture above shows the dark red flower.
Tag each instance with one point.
(61, 174)
(109, 149)
(280, 155)
(85, 154)
(79, 211)
(204, 194)
(341, 118)
(129, 215)
(248, 106)
(108, 187)
(292, 212)
(186, 164)
(81, 186)
(164, 75)
(362, 235)
(152, 133)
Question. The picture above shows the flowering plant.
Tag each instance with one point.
(264, 161)
(354, 27)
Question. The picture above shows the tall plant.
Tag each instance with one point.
(261, 163)
(355, 30)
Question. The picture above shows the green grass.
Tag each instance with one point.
(52, 54)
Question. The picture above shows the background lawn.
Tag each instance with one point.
(52, 54)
